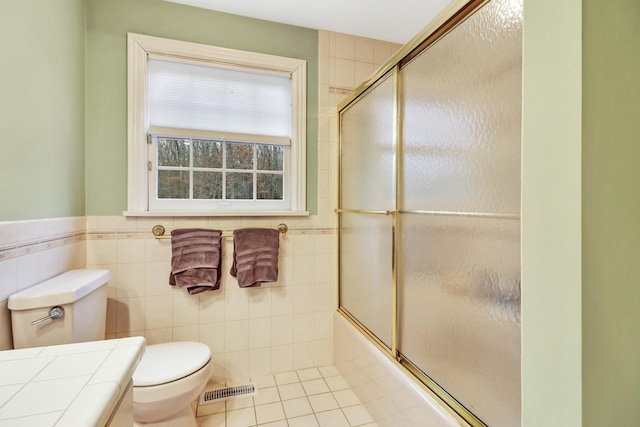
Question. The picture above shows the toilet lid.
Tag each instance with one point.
(163, 363)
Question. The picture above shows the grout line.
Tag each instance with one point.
(299, 381)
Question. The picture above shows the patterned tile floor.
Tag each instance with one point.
(304, 398)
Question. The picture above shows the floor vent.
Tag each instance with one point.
(226, 393)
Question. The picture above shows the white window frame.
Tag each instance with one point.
(140, 48)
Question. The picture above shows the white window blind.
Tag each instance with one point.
(189, 96)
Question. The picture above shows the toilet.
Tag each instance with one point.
(169, 377)
(72, 308)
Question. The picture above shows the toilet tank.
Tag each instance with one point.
(82, 294)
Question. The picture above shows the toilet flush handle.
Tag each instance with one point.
(54, 313)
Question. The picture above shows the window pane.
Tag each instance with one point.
(173, 184)
(239, 156)
(173, 152)
(207, 185)
(269, 187)
(207, 154)
(270, 157)
(239, 186)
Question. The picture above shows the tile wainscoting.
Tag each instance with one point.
(33, 251)
(277, 327)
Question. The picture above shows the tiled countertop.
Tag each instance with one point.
(66, 385)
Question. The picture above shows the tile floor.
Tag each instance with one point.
(315, 397)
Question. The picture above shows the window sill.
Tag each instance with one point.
(216, 214)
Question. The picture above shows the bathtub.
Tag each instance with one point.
(392, 397)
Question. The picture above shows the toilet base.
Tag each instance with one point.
(170, 404)
(183, 418)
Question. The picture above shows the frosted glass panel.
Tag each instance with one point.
(462, 116)
(368, 159)
(459, 276)
(366, 257)
(460, 310)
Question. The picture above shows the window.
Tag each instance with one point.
(214, 131)
(203, 173)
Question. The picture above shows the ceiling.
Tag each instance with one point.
(390, 20)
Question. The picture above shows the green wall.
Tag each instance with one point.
(551, 214)
(611, 213)
(108, 22)
(41, 109)
(581, 214)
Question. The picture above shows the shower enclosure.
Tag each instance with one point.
(429, 210)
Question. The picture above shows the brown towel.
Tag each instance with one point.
(255, 256)
(195, 259)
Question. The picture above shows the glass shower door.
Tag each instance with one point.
(459, 243)
(367, 193)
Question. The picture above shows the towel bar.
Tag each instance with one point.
(159, 230)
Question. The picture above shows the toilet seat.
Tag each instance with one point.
(167, 362)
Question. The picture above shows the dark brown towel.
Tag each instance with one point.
(195, 259)
(255, 256)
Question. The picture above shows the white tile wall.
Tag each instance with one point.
(252, 331)
(33, 251)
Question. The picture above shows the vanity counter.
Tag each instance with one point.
(67, 385)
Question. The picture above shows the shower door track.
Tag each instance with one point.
(489, 215)
(361, 211)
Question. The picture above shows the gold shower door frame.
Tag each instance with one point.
(391, 70)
